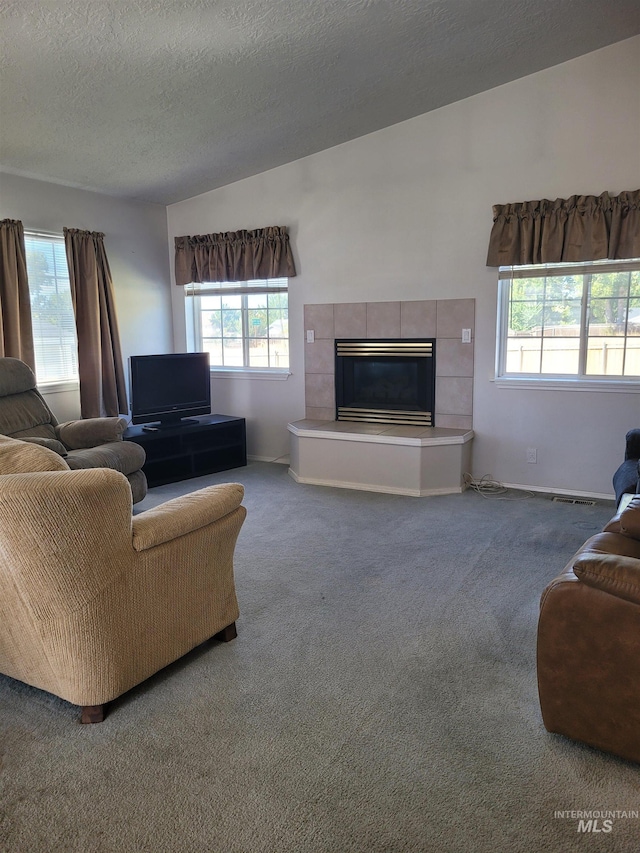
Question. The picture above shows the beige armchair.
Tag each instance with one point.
(94, 600)
(88, 443)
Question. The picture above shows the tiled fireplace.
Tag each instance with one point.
(442, 319)
(371, 454)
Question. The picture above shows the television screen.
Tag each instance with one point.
(168, 388)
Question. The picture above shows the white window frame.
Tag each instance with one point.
(193, 315)
(580, 381)
(61, 282)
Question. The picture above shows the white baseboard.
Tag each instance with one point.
(366, 487)
(571, 493)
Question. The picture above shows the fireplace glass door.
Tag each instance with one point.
(386, 381)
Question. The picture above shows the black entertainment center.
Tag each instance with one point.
(207, 444)
(170, 413)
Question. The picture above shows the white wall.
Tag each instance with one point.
(405, 213)
(136, 244)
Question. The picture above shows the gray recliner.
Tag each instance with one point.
(88, 443)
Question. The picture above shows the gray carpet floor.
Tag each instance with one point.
(380, 696)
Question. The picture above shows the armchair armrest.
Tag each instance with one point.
(51, 443)
(612, 573)
(90, 432)
(626, 521)
(185, 514)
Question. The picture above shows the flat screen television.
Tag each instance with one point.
(169, 389)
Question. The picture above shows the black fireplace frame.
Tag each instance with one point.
(420, 353)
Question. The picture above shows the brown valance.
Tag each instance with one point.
(580, 228)
(234, 256)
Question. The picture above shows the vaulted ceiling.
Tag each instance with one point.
(161, 100)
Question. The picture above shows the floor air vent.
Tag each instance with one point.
(579, 501)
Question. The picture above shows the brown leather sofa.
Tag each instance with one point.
(589, 641)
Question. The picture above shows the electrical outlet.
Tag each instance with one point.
(311, 336)
(466, 336)
(532, 454)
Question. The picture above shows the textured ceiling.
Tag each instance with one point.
(161, 100)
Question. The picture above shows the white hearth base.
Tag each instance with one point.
(401, 460)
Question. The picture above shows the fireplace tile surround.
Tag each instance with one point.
(442, 319)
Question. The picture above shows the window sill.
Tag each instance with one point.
(556, 384)
(58, 387)
(249, 373)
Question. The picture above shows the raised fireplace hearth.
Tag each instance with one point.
(399, 460)
(386, 381)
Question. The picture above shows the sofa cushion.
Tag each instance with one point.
(22, 457)
(632, 444)
(25, 414)
(15, 377)
(626, 479)
(612, 573)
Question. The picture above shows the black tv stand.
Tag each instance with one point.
(156, 425)
(190, 448)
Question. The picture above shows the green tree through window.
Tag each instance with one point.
(241, 324)
(570, 320)
(52, 318)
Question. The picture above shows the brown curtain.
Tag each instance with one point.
(234, 256)
(580, 228)
(16, 333)
(102, 385)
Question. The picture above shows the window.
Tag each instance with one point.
(241, 324)
(52, 318)
(570, 321)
